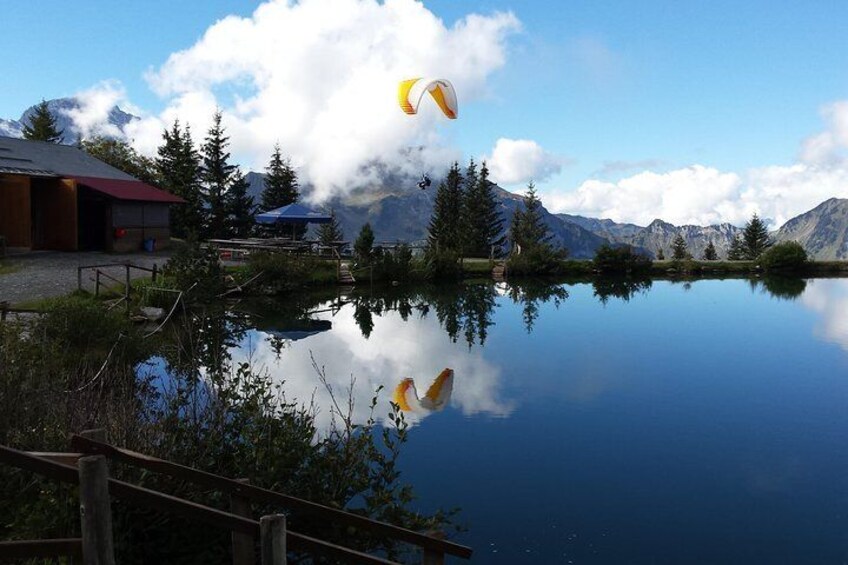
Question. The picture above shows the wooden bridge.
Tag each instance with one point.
(87, 467)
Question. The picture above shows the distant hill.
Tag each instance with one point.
(398, 210)
(823, 231)
(60, 108)
(660, 235)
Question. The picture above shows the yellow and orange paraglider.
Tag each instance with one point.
(410, 93)
(437, 397)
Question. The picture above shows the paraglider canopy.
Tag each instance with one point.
(436, 397)
(410, 93)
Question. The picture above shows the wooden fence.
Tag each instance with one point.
(88, 468)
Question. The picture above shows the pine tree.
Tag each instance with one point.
(178, 166)
(710, 252)
(528, 229)
(678, 248)
(660, 254)
(42, 125)
(121, 155)
(240, 208)
(281, 188)
(482, 215)
(736, 251)
(444, 229)
(330, 232)
(363, 245)
(217, 176)
(755, 238)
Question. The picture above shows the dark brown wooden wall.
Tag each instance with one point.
(55, 202)
(15, 214)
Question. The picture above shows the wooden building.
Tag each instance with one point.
(60, 197)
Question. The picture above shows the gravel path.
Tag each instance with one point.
(44, 274)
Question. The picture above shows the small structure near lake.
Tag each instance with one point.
(59, 197)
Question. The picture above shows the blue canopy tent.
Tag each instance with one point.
(293, 214)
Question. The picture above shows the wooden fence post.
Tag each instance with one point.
(97, 283)
(434, 557)
(243, 552)
(95, 511)
(79, 278)
(272, 530)
(155, 272)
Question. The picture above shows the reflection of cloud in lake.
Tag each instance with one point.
(417, 348)
(829, 298)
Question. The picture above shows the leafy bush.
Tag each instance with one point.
(394, 265)
(282, 272)
(442, 264)
(196, 268)
(785, 256)
(541, 259)
(621, 259)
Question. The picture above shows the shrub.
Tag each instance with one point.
(197, 267)
(537, 260)
(442, 264)
(282, 272)
(785, 256)
(622, 259)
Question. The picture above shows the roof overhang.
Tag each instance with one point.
(128, 190)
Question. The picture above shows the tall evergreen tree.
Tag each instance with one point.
(710, 252)
(281, 187)
(363, 245)
(42, 125)
(678, 248)
(179, 171)
(331, 231)
(755, 238)
(445, 229)
(736, 251)
(528, 228)
(217, 177)
(660, 254)
(240, 207)
(483, 220)
(123, 156)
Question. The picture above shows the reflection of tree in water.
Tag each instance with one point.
(618, 287)
(464, 309)
(530, 294)
(784, 288)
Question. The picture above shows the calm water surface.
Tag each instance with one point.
(664, 423)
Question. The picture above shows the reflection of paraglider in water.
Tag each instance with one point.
(410, 93)
(436, 398)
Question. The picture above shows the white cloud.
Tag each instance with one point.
(91, 117)
(320, 77)
(829, 298)
(705, 195)
(518, 161)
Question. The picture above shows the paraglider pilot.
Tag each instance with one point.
(425, 182)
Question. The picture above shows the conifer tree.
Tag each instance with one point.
(42, 125)
(179, 171)
(528, 228)
(710, 252)
(331, 231)
(363, 245)
(217, 177)
(736, 251)
(678, 248)
(755, 238)
(240, 208)
(483, 219)
(444, 229)
(660, 254)
(281, 187)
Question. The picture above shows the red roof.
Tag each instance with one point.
(128, 190)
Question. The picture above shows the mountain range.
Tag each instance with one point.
(399, 211)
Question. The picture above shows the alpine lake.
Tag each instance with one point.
(613, 421)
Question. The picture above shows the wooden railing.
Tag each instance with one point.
(96, 487)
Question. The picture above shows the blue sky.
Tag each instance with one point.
(659, 85)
